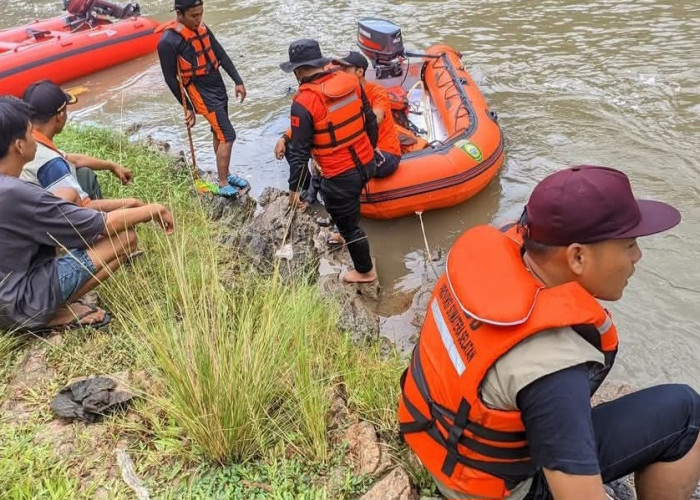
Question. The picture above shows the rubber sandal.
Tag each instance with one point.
(96, 325)
(333, 242)
(227, 192)
(73, 325)
(324, 221)
(237, 182)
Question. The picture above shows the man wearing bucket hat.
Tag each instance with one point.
(332, 121)
(496, 400)
(61, 172)
(190, 57)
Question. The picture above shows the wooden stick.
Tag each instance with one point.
(183, 96)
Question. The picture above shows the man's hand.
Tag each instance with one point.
(241, 92)
(164, 218)
(280, 148)
(124, 175)
(316, 168)
(190, 118)
(295, 201)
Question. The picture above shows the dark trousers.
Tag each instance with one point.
(659, 424)
(341, 195)
(386, 163)
(88, 181)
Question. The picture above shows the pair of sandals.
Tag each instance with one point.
(235, 185)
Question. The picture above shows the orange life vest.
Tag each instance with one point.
(343, 123)
(485, 304)
(205, 60)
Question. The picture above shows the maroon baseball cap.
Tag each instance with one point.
(588, 204)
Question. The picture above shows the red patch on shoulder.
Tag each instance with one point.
(295, 121)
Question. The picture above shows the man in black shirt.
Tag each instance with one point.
(189, 52)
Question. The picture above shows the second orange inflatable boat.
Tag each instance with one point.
(68, 47)
(456, 147)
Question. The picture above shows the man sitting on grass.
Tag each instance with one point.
(55, 170)
(38, 289)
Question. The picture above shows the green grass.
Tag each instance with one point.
(371, 379)
(30, 471)
(241, 368)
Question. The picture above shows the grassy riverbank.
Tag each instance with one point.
(236, 373)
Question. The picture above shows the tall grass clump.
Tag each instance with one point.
(244, 366)
(371, 379)
(245, 363)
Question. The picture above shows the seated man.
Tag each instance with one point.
(38, 290)
(388, 152)
(53, 169)
(496, 400)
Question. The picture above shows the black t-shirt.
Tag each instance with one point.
(211, 86)
(556, 411)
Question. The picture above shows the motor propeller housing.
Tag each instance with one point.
(381, 41)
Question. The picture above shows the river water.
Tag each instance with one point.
(607, 82)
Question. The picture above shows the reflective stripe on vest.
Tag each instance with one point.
(205, 60)
(484, 305)
(343, 123)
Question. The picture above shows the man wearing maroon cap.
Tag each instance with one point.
(496, 400)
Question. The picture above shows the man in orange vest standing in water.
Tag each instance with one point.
(191, 56)
(496, 400)
(332, 120)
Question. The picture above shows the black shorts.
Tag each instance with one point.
(217, 116)
(659, 424)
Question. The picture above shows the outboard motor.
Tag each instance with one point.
(101, 7)
(381, 41)
(78, 7)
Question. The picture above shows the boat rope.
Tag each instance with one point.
(429, 255)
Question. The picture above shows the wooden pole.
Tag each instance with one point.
(183, 96)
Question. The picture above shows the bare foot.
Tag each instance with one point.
(357, 277)
(85, 315)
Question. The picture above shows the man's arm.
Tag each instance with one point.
(379, 114)
(225, 60)
(123, 219)
(114, 204)
(556, 411)
(122, 173)
(370, 120)
(167, 53)
(300, 145)
(380, 103)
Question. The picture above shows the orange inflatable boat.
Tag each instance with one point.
(67, 47)
(452, 143)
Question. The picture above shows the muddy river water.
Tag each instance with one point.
(607, 82)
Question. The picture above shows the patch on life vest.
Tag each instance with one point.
(459, 328)
(471, 149)
(295, 121)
